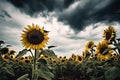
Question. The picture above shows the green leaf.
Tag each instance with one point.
(89, 70)
(112, 73)
(44, 72)
(49, 53)
(21, 53)
(24, 77)
(42, 61)
(51, 47)
(8, 70)
(38, 53)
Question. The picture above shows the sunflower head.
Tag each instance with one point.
(89, 45)
(27, 61)
(5, 57)
(34, 37)
(12, 52)
(71, 59)
(109, 34)
(115, 57)
(63, 61)
(78, 59)
(73, 56)
(54, 60)
(102, 51)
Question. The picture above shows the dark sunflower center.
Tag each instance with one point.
(27, 61)
(35, 37)
(90, 45)
(103, 50)
(79, 58)
(12, 52)
(108, 35)
(63, 60)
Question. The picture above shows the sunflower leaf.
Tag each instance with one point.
(24, 77)
(37, 53)
(51, 47)
(21, 53)
(112, 73)
(44, 73)
(49, 53)
(8, 70)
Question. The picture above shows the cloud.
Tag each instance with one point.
(85, 12)
(62, 21)
(76, 13)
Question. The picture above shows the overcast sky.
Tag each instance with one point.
(71, 22)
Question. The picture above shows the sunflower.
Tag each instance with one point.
(54, 60)
(115, 57)
(109, 34)
(73, 56)
(5, 57)
(27, 61)
(11, 52)
(102, 51)
(34, 37)
(70, 59)
(78, 59)
(63, 61)
(89, 45)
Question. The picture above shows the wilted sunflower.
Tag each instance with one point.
(102, 51)
(34, 37)
(109, 34)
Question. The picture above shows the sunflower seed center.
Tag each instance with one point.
(35, 37)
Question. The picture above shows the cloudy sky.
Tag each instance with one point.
(71, 22)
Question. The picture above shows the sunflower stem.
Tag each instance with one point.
(34, 76)
(31, 53)
(35, 59)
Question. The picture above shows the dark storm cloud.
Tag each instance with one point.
(35, 6)
(92, 12)
(85, 13)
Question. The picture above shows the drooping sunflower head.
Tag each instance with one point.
(102, 51)
(109, 34)
(89, 45)
(34, 37)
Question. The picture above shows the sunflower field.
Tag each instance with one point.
(97, 61)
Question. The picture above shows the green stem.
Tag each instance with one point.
(34, 67)
(31, 54)
(35, 60)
